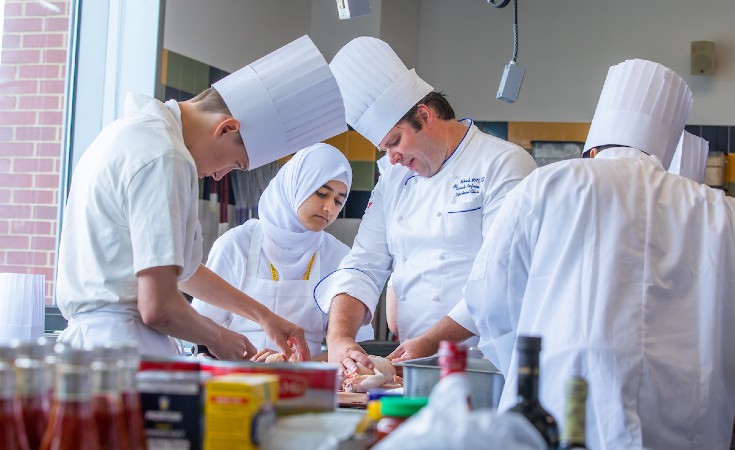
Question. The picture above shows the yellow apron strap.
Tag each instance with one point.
(274, 272)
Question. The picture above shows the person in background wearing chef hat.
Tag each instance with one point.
(131, 237)
(428, 213)
(278, 258)
(625, 271)
(690, 158)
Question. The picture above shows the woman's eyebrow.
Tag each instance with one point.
(343, 194)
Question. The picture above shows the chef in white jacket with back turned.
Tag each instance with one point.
(428, 214)
(625, 271)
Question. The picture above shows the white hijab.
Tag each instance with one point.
(286, 242)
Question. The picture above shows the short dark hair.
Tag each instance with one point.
(210, 101)
(434, 100)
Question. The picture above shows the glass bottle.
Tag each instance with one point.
(12, 430)
(50, 365)
(573, 433)
(107, 400)
(453, 360)
(33, 390)
(528, 404)
(71, 424)
(132, 412)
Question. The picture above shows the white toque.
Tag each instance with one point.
(285, 101)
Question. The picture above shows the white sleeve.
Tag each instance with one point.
(506, 172)
(362, 273)
(497, 281)
(462, 316)
(161, 216)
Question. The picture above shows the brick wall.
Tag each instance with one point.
(32, 79)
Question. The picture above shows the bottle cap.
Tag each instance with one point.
(402, 406)
(529, 343)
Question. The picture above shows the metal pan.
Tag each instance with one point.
(486, 382)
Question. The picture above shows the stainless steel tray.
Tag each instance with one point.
(486, 382)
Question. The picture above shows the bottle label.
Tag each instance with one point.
(576, 394)
(452, 358)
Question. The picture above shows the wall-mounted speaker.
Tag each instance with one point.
(703, 58)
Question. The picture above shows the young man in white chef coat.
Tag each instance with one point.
(131, 237)
(625, 271)
(428, 214)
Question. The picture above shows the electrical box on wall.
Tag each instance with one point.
(703, 58)
(353, 8)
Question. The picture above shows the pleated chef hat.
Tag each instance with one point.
(285, 101)
(378, 89)
(642, 105)
(690, 158)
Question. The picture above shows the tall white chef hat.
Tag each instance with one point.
(642, 105)
(690, 158)
(378, 89)
(285, 101)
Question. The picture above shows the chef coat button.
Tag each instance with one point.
(403, 259)
(438, 214)
(435, 298)
(400, 218)
(403, 298)
(441, 257)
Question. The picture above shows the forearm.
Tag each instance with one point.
(178, 319)
(211, 288)
(446, 329)
(345, 317)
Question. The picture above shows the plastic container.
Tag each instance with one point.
(395, 411)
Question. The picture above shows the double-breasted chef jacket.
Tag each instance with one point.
(427, 231)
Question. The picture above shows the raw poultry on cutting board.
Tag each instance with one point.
(382, 375)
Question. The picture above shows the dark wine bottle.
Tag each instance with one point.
(573, 434)
(528, 404)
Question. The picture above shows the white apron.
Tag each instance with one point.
(291, 299)
(117, 322)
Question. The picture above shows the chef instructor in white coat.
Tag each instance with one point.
(428, 214)
(131, 238)
(625, 271)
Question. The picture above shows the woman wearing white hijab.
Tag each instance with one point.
(278, 258)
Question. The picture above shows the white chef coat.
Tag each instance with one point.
(427, 231)
(238, 257)
(132, 206)
(625, 271)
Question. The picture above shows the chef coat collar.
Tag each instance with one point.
(626, 152)
(462, 143)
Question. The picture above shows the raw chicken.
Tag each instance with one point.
(281, 358)
(365, 379)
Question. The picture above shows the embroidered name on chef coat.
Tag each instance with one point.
(467, 185)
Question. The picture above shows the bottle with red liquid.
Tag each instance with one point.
(132, 411)
(33, 390)
(107, 400)
(12, 430)
(49, 364)
(453, 360)
(71, 424)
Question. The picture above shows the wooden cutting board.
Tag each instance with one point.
(352, 399)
